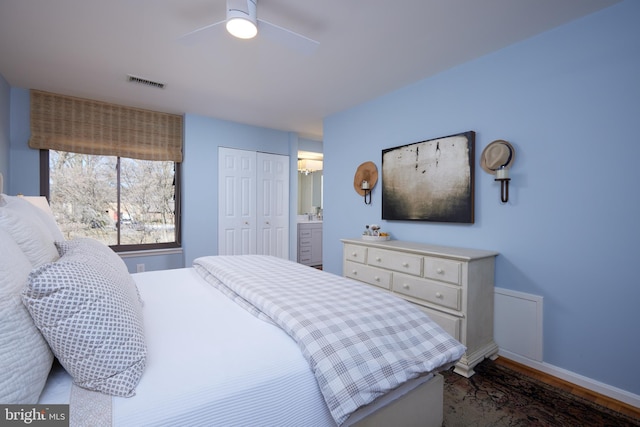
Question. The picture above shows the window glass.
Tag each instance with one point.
(147, 202)
(119, 201)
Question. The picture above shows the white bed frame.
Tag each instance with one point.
(421, 407)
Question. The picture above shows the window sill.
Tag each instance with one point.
(150, 252)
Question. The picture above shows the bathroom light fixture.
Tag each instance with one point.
(497, 158)
(242, 21)
(307, 166)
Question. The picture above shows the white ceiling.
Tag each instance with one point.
(367, 48)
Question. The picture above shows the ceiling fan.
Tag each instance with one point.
(242, 22)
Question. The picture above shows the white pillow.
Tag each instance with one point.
(25, 357)
(31, 236)
(88, 310)
(24, 208)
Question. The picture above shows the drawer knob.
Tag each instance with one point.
(378, 259)
(354, 254)
(405, 264)
(354, 272)
(377, 279)
(439, 271)
(439, 295)
(405, 286)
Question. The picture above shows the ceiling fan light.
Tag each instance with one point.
(242, 20)
(242, 28)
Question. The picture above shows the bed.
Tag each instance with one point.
(229, 341)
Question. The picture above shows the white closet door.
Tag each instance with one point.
(273, 205)
(236, 202)
(253, 203)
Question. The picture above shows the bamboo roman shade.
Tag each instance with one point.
(77, 125)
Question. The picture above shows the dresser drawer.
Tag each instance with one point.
(427, 290)
(355, 253)
(442, 269)
(398, 261)
(370, 275)
(449, 323)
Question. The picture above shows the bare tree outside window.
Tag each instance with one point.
(120, 201)
(147, 202)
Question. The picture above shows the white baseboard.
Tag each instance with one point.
(582, 381)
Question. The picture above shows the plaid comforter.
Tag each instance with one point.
(360, 342)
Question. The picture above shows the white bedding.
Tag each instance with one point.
(360, 342)
(211, 363)
(202, 371)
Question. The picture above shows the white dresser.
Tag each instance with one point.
(454, 286)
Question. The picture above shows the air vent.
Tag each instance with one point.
(140, 80)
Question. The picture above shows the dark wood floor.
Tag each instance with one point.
(577, 390)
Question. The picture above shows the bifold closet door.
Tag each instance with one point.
(272, 205)
(236, 202)
(253, 203)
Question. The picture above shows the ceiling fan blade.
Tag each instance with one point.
(203, 33)
(288, 38)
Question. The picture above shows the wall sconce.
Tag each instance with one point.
(365, 179)
(497, 158)
(367, 191)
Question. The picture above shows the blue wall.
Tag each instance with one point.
(305, 144)
(568, 101)
(24, 167)
(203, 136)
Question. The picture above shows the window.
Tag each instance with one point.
(128, 204)
(111, 172)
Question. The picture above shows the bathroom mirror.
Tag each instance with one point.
(309, 183)
(309, 192)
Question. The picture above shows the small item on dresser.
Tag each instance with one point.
(379, 238)
(373, 233)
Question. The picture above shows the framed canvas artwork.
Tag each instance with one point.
(430, 180)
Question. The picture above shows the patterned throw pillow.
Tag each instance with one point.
(94, 252)
(88, 310)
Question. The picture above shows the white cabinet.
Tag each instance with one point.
(454, 286)
(310, 243)
(253, 203)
